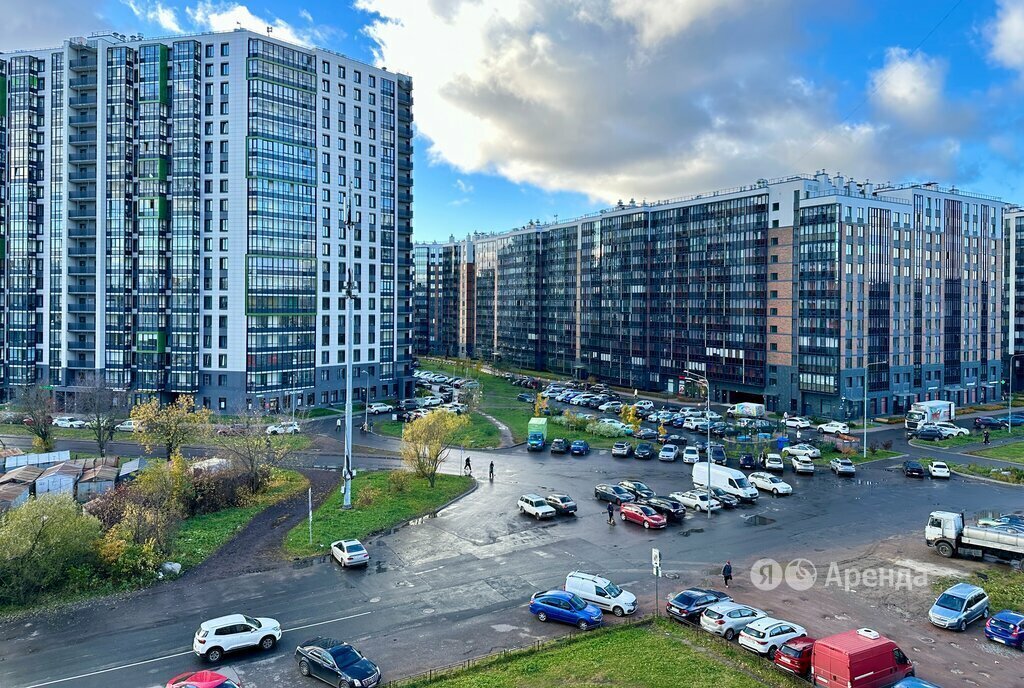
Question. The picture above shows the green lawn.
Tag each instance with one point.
(1008, 452)
(1005, 587)
(200, 536)
(331, 522)
(1014, 476)
(21, 430)
(657, 655)
(964, 440)
(479, 434)
(498, 397)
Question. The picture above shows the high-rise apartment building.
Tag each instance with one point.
(173, 216)
(803, 293)
(445, 292)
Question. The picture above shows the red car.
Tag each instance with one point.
(795, 655)
(202, 679)
(642, 514)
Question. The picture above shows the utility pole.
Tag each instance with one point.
(349, 296)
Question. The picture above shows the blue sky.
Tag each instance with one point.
(532, 109)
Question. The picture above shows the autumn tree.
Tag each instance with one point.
(102, 408)
(247, 445)
(36, 406)
(426, 441)
(539, 404)
(170, 426)
(631, 417)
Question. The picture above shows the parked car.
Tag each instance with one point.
(727, 619)
(528, 398)
(643, 515)
(697, 500)
(283, 429)
(990, 423)
(833, 427)
(795, 656)
(579, 448)
(671, 509)
(727, 500)
(797, 423)
(1003, 520)
(1006, 627)
(336, 663)
(535, 506)
(644, 450)
(202, 679)
(691, 455)
(565, 607)
(691, 423)
(644, 405)
(803, 449)
(770, 483)
(668, 453)
(688, 604)
(636, 488)
(774, 462)
(612, 493)
(938, 469)
(802, 464)
(952, 430)
(716, 453)
(622, 449)
(913, 469)
(126, 426)
(559, 445)
(561, 503)
(68, 422)
(234, 632)
(958, 606)
(747, 461)
(766, 635)
(646, 434)
(677, 440)
(929, 433)
(350, 553)
(610, 407)
(601, 593)
(378, 407)
(842, 466)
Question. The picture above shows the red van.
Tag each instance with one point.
(795, 655)
(858, 659)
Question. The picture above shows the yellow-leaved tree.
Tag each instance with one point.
(630, 417)
(426, 441)
(170, 425)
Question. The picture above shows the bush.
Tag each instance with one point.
(367, 496)
(873, 448)
(125, 560)
(398, 481)
(887, 444)
(604, 430)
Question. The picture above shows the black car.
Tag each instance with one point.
(646, 434)
(928, 432)
(721, 429)
(688, 604)
(336, 663)
(747, 461)
(701, 445)
(989, 422)
(677, 422)
(561, 503)
(612, 493)
(644, 450)
(559, 446)
(727, 500)
(677, 440)
(913, 469)
(718, 454)
(671, 509)
(526, 397)
(636, 488)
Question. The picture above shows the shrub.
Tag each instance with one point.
(873, 448)
(887, 444)
(398, 481)
(367, 496)
(125, 560)
(604, 430)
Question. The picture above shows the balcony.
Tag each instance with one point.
(404, 131)
(82, 213)
(83, 64)
(404, 116)
(87, 307)
(82, 195)
(83, 120)
(82, 176)
(82, 101)
(83, 82)
(404, 214)
(404, 149)
(82, 139)
(82, 232)
(404, 98)
(404, 181)
(84, 156)
(405, 164)
(404, 197)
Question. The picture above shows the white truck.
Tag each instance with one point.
(746, 410)
(729, 479)
(924, 412)
(950, 536)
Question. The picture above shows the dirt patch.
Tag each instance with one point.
(851, 590)
(258, 546)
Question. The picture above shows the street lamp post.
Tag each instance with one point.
(867, 369)
(701, 380)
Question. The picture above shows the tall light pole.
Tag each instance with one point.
(701, 380)
(349, 296)
(867, 370)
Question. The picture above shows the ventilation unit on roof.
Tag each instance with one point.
(868, 633)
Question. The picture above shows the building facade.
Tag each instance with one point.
(806, 293)
(181, 215)
(445, 281)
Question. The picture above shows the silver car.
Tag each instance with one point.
(842, 466)
(727, 619)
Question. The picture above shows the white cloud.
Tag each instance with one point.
(227, 16)
(304, 13)
(909, 86)
(1007, 34)
(619, 99)
(155, 13)
(463, 186)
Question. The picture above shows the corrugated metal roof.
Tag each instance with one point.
(99, 474)
(22, 474)
(67, 468)
(12, 491)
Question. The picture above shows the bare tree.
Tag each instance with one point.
(36, 405)
(102, 408)
(426, 441)
(246, 444)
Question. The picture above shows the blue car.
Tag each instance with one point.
(1007, 628)
(559, 605)
(747, 461)
(915, 682)
(579, 448)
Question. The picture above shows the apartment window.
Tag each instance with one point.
(774, 241)
(222, 361)
(224, 127)
(773, 311)
(775, 205)
(773, 329)
(222, 403)
(208, 70)
(357, 76)
(225, 49)
(224, 69)
(223, 303)
(773, 346)
(774, 258)
(222, 380)
(774, 276)
(773, 294)
(209, 50)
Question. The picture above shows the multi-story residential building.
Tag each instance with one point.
(426, 299)
(798, 292)
(1013, 298)
(445, 283)
(182, 214)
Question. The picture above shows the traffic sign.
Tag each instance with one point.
(655, 557)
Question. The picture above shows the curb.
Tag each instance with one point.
(970, 476)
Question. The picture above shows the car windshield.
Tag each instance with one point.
(741, 482)
(252, 622)
(952, 602)
(789, 651)
(354, 547)
(754, 633)
(577, 602)
(712, 614)
(684, 599)
(938, 464)
(344, 655)
(773, 479)
(613, 590)
(646, 510)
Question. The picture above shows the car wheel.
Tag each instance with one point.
(647, 525)
(945, 549)
(775, 493)
(342, 683)
(268, 643)
(214, 654)
(619, 611)
(522, 510)
(622, 516)
(541, 616)
(984, 613)
(582, 625)
(771, 651)
(821, 431)
(730, 634)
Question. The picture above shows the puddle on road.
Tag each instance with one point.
(687, 532)
(381, 566)
(302, 563)
(758, 520)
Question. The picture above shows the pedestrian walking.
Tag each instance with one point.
(337, 426)
(490, 472)
(468, 468)
(727, 573)
(798, 434)
(986, 436)
(611, 514)
(785, 416)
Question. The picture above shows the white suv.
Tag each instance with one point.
(535, 506)
(283, 429)
(234, 632)
(378, 407)
(68, 422)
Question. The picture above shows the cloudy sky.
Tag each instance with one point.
(532, 109)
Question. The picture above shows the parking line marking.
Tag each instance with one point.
(178, 654)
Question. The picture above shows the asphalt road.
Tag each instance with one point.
(454, 587)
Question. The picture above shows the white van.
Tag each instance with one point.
(601, 592)
(729, 479)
